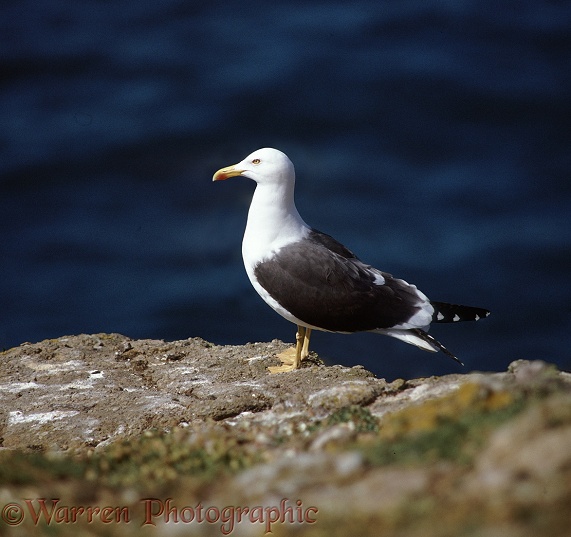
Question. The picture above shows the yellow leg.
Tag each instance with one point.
(305, 349)
(291, 358)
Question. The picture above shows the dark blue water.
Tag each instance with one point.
(433, 138)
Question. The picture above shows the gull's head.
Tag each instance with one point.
(265, 166)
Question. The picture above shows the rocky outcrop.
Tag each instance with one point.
(102, 419)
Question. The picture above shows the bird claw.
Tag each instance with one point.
(285, 368)
(288, 358)
(291, 358)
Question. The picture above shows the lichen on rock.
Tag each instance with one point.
(106, 419)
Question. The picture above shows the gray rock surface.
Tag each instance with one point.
(91, 390)
(104, 419)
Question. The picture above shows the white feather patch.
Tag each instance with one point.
(409, 337)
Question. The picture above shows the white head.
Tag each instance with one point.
(273, 220)
(265, 166)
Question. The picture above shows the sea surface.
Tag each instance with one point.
(433, 138)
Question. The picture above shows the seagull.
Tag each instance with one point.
(315, 282)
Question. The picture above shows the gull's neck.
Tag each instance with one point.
(273, 221)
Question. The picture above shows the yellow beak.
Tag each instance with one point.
(225, 173)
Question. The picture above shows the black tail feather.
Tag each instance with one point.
(433, 341)
(451, 313)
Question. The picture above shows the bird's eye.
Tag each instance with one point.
(256, 161)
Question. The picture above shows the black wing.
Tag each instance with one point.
(324, 284)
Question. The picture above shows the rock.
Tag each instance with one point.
(80, 391)
(164, 428)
